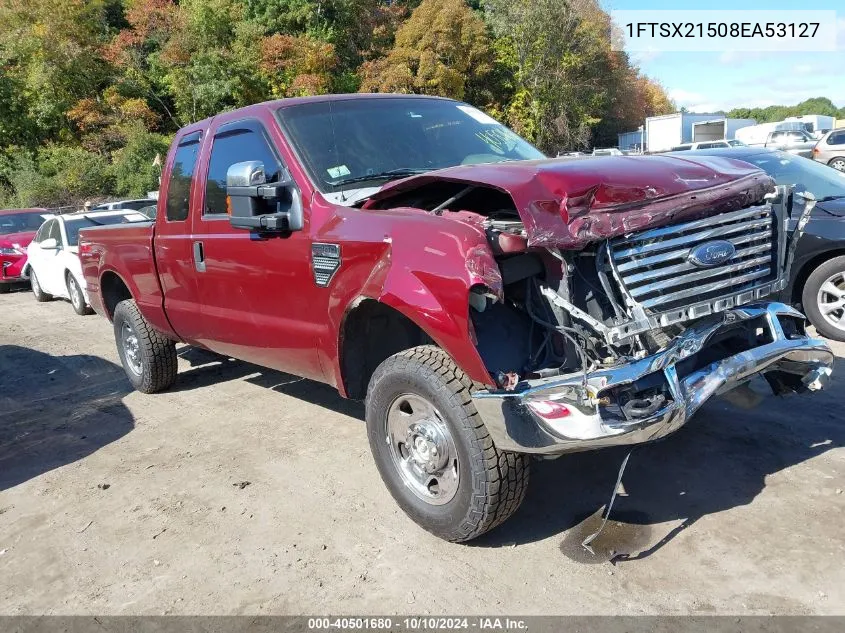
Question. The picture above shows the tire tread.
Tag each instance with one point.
(158, 352)
(500, 479)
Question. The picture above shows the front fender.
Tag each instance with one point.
(424, 267)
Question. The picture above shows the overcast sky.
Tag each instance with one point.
(706, 82)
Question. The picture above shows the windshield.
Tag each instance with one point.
(74, 225)
(21, 222)
(787, 169)
(347, 141)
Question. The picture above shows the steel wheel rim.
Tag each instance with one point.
(422, 449)
(831, 300)
(131, 348)
(75, 296)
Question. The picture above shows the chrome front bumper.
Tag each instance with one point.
(570, 413)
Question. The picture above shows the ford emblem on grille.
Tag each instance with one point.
(712, 253)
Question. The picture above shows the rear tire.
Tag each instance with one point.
(148, 358)
(838, 163)
(823, 298)
(77, 298)
(38, 293)
(444, 471)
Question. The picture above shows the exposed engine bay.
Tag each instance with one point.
(565, 312)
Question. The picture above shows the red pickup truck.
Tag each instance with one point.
(487, 303)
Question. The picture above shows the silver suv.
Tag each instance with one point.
(830, 149)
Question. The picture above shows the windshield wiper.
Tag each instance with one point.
(829, 198)
(393, 174)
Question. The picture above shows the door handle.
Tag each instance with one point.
(199, 257)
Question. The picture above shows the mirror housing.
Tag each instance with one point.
(250, 196)
(50, 244)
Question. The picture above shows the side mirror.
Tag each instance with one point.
(257, 205)
(50, 244)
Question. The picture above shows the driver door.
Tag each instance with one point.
(257, 294)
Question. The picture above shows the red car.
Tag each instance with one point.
(17, 228)
(486, 303)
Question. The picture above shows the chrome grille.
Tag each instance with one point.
(656, 272)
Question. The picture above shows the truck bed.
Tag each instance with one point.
(127, 248)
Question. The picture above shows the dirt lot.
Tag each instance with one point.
(114, 502)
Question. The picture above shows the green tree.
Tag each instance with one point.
(132, 168)
(442, 49)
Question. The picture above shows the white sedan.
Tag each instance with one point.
(53, 262)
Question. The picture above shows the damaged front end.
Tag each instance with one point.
(651, 397)
(676, 334)
(607, 311)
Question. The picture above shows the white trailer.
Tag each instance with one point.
(759, 134)
(665, 132)
(814, 123)
(718, 129)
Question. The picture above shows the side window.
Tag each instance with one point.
(836, 139)
(43, 231)
(236, 143)
(179, 188)
(54, 231)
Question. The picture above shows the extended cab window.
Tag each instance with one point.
(179, 189)
(236, 143)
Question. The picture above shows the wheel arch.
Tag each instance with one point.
(370, 333)
(113, 290)
(807, 269)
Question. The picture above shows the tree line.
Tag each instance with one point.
(92, 90)
(772, 114)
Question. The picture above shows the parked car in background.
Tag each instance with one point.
(817, 279)
(608, 151)
(759, 134)
(124, 204)
(830, 149)
(17, 228)
(53, 267)
(149, 211)
(707, 145)
(796, 142)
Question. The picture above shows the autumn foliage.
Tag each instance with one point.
(107, 81)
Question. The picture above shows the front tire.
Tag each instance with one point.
(824, 298)
(77, 299)
(5, 289)
(433, 451)
(37, 291)
(148, 358)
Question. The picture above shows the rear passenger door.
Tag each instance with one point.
(173, 250)
(257, 293)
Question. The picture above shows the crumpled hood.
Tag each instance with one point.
(569, 203)
(23, 239)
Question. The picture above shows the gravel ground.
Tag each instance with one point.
(243, 490)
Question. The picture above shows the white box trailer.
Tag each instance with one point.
(814, 123)
(718, 129)
(665, 132)
(758, 134)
